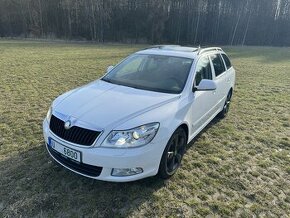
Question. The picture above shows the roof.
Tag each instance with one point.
(177, 50)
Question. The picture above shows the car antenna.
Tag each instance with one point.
(199, 49)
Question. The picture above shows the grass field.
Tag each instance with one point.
(239, 166)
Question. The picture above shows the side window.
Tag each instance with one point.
(227, 61)
(203, 70)
(218, 64)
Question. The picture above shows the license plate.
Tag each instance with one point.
(68, 152)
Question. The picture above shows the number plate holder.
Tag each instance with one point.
(70, 153)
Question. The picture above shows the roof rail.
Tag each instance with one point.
(161, 46)
(201, 51)
(173, 48)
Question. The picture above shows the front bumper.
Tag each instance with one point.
(102, 160)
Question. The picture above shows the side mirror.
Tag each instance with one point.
(109, 68)
(206, 85)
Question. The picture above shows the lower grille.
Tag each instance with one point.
(85, 169)
(75, 134)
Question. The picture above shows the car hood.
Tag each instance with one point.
(102, 104)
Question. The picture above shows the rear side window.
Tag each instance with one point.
(203, 70)
(227, 61)
(218, 64)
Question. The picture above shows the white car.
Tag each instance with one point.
(137, 119)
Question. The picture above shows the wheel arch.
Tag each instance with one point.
(184, 126)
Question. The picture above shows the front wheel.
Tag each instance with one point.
(173, 153)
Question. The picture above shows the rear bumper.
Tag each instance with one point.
(98, 162)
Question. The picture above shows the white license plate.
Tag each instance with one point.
(68, 152)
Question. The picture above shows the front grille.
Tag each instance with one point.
(85, 169)
(75, 134)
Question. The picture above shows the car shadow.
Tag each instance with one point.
(32, 184)
(196, 138)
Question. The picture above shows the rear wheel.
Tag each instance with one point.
(173, 153)
(226, 107)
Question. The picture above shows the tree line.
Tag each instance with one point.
(223, 22)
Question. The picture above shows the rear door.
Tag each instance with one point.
(220, 77)
(230, 75)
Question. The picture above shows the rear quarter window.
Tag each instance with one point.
(218, 64)
(227, 61)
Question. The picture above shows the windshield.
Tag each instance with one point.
(152, 72)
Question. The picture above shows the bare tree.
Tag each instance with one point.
(248, 22)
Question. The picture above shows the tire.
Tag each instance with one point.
(226, 106)
(173, 154)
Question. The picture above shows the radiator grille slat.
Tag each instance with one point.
(75, 134)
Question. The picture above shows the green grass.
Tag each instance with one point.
(239, 166)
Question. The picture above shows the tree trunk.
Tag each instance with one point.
(235, 29)
(40, 19)
(246, 30)
(197, 26)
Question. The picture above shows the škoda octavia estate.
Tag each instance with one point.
(137, 119)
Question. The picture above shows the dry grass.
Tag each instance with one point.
(239, 166)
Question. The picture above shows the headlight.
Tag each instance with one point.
(48, 115)
(135, 137)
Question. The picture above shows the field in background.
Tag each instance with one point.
(239, 166)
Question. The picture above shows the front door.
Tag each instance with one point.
(203, 101)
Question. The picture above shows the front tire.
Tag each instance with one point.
(173, 154)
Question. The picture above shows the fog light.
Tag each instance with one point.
(126, 171)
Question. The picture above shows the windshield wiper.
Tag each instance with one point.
(107, 80)
(113, 82)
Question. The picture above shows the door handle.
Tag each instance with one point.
(214, 92)
(228, 79)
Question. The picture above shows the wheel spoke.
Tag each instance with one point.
(176, 142)
(171, 164)
(170, 155)
(178, 158)
(181, 147)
